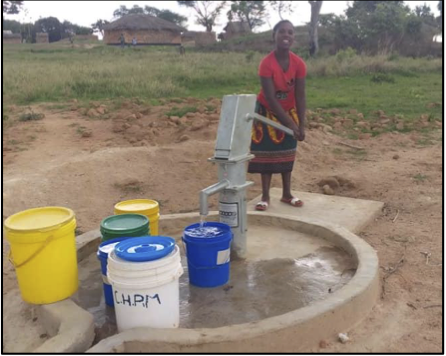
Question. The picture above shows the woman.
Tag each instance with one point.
(282, 99)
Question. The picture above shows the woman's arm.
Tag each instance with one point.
(270, 95)
(301, 105)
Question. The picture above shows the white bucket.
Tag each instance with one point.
(146, 294)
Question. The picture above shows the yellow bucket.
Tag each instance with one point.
(147, 207)
(43, 252)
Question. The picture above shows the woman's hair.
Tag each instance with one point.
(276, 27)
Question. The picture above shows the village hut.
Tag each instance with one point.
(235, 29)
(198, 38)
(42, 37)
(146, 29)
(9, 37)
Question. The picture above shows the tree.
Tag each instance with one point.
(374, 26)
(12, 25)
(282, 7)
(51, 26)
(425, 14)
(99, 26)
(166, 15)
(251, 12)
(207, 12)
(28, 32)
(315, 11)
(123, 10)
(440, 18)
(12, 7)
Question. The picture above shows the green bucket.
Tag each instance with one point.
(124, 225)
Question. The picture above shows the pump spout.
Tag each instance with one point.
(207, 192)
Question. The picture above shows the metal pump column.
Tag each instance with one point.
(232, 151)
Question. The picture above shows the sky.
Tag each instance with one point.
(85, 13)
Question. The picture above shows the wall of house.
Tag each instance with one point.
(42, 38)
(12, 39)
(198, 39)
(143, 37)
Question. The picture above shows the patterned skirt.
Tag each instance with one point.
(274, 150)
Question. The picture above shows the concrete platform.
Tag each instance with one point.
(295, 331)
(352, 214)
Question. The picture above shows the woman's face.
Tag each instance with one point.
(284, 36)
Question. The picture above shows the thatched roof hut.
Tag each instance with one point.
(146, 29)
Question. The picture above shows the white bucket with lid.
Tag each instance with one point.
(144, 273)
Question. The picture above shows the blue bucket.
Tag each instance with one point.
(208, 255)
(104, 249)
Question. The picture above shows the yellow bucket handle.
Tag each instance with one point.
(47, 241)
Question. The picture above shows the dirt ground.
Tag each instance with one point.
(88, 159)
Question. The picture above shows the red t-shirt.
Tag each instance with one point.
(284, 82)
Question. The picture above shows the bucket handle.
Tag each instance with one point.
(47, 241)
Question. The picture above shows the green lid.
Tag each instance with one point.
(124, 224)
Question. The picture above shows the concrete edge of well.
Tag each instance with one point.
(71, 327)
(296, 331)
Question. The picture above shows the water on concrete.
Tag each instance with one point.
(285, 270)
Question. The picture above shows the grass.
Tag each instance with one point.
(180, 112)
(48, 73)
(31, 116)
(80, 130)
(420, 177)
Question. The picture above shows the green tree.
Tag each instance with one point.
(123, 10)
(99, 26)
(51, 26)
(251, 12)
(12, 7)
(207, 12)
(12, 25)
(314, 23)
(373, 26)
(282, 7)
(425, 14)
(166, 15)
(28, 31)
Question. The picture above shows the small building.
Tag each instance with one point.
(198, 38)
(146, 29)
(42, 37)
(9, 37)
(235, 29)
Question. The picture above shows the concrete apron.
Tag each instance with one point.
(352, 214)
(295, 331)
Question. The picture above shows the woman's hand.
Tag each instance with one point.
(296, 131)
(300, 133)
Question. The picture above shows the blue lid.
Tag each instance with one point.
(145, 248)
(107, 246)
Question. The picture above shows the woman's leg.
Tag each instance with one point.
(266, 183)
(286, 185)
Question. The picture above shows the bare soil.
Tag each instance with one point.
(88, 159)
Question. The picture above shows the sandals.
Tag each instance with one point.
(296, 202)
(262, 206)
